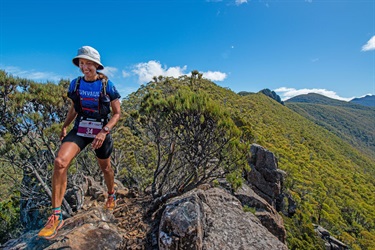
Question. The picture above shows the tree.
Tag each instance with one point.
(30, 116)
(196, 141)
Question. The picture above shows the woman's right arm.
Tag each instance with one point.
(72, 114)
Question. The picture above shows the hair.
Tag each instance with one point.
(102, 76)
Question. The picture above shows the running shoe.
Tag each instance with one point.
(54, 223)
(111, 202)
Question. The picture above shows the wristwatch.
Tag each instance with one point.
(106, 129)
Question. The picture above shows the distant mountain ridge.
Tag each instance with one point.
(315, 98)
(355, 123)
(368, 100)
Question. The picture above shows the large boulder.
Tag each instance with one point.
(212, 219)
(266, 213)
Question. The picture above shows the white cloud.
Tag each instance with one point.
(214, 75)
(287, 93)
(369, 94)
(109, 71)
(146, 71)
(239, 2)
(370, 45)
(125, 74)
(32, 74)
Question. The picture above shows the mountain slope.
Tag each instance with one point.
(332, 182)
(352, 122)
(322, 169)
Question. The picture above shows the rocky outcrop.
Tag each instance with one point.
(330, 242)
(265, 177)
(212, 219)
(265, 191)
(272, 94)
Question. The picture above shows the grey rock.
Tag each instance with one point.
(220, 216)
(267, 214)
(265, 177)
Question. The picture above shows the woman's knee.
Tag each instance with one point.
(67, 152)
(105, 165)
(60, 163)
(106, 168)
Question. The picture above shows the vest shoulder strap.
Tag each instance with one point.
(77, 83)
(104, 84)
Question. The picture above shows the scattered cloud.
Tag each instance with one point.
(214, 75)
(239, 2)
(315, 60)
(370, 45)
(109, 71)
(309, 1)
(33, 74)
(287, 93)
(146, 71)
(125, 74)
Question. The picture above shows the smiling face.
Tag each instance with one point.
(88, 68)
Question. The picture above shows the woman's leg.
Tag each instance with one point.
(67, 152)
(109, 174)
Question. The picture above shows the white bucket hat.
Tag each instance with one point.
(89, 53)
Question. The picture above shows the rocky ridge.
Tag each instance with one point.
(209, 217)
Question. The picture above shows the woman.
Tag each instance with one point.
(93, 97)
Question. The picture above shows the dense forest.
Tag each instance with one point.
(175, 134)
(351, 122)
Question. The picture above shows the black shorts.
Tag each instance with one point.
(103, 152)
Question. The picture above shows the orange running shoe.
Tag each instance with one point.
(54, 223)
(111, 202)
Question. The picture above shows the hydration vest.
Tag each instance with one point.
(92, 107)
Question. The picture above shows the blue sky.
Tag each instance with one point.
(289, 46)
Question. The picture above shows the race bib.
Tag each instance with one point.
(90, 129)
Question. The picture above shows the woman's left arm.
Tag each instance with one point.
(116, 113)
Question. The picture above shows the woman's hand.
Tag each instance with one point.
(62, 133)
(99, 139)
(72, 114)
